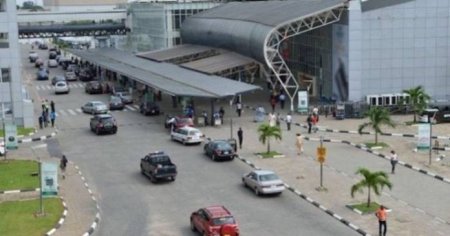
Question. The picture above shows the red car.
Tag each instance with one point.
(178, 121)
(214, 221)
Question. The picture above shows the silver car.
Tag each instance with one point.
(126, 97)
(70, 76)
(95, 107)
(61, 87)
(263, 182)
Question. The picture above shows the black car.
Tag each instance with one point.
(157, 166)
(85, 75)
(43, 46)
(58, 78)
(52, 55)
(219, 150)
(93, 87)
(115, 103)
(42, 74)
(103, 123)
(149, 108)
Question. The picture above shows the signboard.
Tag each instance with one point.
(10, 135)
(423, 134)
(321, 154)
(302, 105)
(49, 178)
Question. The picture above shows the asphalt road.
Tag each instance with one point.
(132, 205)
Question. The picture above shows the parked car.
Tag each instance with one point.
(115, 103)
(125, 96)
(52, 63)
(149, 108)
(61, 87)
(73, 67)
(117, 89)
(219, 150)
(70, 76)
(2, 148)
(178, 121)
(85, 75)
(93, 87)
(52, 55)
(43, 46)
(33, 56)
(214, 221)
(103, 123)
(42, 74)
(157, 166)
(58, 78)
(263, 182)
(64, 62)
(94, 107)
(38, 63)
(187, 135)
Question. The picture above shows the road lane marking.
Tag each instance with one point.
(72, 112)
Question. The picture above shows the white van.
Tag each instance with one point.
(187, 135)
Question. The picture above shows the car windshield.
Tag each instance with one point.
(97, 104)
(115, 99)
(223, 220)
(61, 84)
(106, 119)
(223, 145)
(268, 177)
(194, 132)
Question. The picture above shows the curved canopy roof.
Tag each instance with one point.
(243, 26)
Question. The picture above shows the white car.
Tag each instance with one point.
(61, 87)
(52, 63)
(263, 182)
(187, 135)
(70, 76)
(2, 148)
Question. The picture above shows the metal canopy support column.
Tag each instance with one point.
(273, 41)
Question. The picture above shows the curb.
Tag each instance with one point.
(22, 136)
(28, 140)
(313, 202)
(97, 215)
(380, 155)
(20, 190)
(60, 221)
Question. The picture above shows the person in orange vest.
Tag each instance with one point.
(381, 215)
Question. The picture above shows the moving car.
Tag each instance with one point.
(187, 135)
(103, 123)
(178, 121)
(115, 103)
(43, 46)
(58, 78)
(93, 87)
(94, 107)
(214, 221)
(149, 108)
(70, 76)
(219, 150)
(52, 55)
(38, 63)
(42, 74)
(33, 56)
(157, 166)
(52, 63)
(61, 87)
(125, 96)
(263, 182)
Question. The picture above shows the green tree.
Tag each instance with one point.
(372, 180)
(418, 99)
(378, 116)
(266, 132)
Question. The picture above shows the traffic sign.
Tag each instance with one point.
(321, 154)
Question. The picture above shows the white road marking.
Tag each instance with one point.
(130, 108)
(72, 112)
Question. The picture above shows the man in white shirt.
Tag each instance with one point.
(288, 121)
(394, 160)
(239, 108)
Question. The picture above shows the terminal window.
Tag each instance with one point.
(6, 75)
(4, 42)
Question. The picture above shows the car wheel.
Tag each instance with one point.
(142, 171)
(172, 178)
(152, 178)
(245, 184)
(97, 131)
(172, 137)
(213, 157)
(183, 142)
(231, 158)
(193, 226)
(256, 191)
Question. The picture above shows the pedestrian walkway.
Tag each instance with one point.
(78, 111)
(72, 85)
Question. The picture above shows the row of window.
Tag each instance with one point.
(4, 42)
(5, 75)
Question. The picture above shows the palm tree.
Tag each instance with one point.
(418, 99)
(377, 116)
(266, 132)
(372, 180)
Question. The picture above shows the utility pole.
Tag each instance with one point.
(321, 156)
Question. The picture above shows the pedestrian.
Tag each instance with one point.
(381, 215)
(63, 165)
(309, 121)
(277, 119)
(394, 160)
(221, 113)
(299, 143)
(272, 120)
(314, 120)
(52, 118)
(44, 118)
(52, 105)
(288, 121)
(239, 108)
(205, 117)
(41, 122)
(240, 134)
(273, 102)
(282, 99)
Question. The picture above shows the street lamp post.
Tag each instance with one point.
(41, 205)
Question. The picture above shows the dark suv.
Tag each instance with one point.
(103, 123)
(93, 87)
(149, 108)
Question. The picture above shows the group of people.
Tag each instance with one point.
(277, 97)
(48, 114)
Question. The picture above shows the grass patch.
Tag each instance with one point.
(379, 144)
(16, 174)
(270, 154)
(20, 131)
(17, 217)
(362, 207)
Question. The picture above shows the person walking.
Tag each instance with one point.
(273, 103)
(221, 113)
(52, 105)
(52, 118)
(314, 120)
(394, 161)
(278, 119)
(288, 121)
(381, 215)
(63, 165)
(41, 122)
(282, 99)
(240, 135)
(239, 108)
(309, 121)
(299, 143)
(272, 120)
